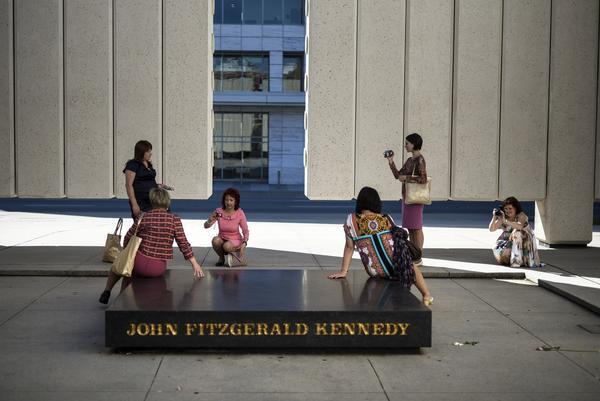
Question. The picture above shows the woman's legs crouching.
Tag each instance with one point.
(217, 244)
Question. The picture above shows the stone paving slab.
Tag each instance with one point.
(587, 297)
(259, 373)
(86, 262)
(515, 364)
(505, 396)
(74, 396)
(54, 346)
(523, 298)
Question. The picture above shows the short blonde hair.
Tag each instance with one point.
(159, 198)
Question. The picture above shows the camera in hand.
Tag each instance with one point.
(498, 212)
(388, 153)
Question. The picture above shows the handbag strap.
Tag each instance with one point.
(139, 223)
(119, 227)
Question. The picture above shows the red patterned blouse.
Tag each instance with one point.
(158, 230)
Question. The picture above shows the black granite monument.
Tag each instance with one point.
(267, 309)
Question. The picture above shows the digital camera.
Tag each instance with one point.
(388, 153)
(498, 211)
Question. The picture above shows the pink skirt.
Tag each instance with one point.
(237, 243)
(412, 216)
(145, 266)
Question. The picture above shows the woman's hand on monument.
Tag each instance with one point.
(198, 272)
(338, 275)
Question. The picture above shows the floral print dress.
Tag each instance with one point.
(521, 243)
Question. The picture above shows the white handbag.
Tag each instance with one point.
(418, 194)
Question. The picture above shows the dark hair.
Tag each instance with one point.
(235, 194)
(141, 147)
(416, 140)
(368, 199)
(514, 202)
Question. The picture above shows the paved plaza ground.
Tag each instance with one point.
(52, 326)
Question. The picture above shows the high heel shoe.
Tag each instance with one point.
(428, 301)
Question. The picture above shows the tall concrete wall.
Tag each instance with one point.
(331, 92)
(138, 83)
(187, 98)
(7, 99)
(92, 77)
(565, 215)
(428, 94)
(504, 93)
(39, 97)
(524, 108)
(379, 92)
(88, 98)
(475, 131)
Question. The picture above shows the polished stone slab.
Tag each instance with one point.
(267, 309)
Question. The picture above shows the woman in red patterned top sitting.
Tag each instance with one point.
(158, 228)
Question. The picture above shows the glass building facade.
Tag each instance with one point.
(259, 91)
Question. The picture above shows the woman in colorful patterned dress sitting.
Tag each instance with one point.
(383, 247)
(516, 246)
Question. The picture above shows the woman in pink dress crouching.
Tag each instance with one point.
(231, 219)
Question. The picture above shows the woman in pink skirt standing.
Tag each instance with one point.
(413, 170)
(231, 219)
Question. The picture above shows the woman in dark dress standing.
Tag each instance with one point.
(140, 178)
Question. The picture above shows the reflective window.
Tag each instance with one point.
(252, 12)
(232, 11)
(241, 72)
(293, 12)
(218, 16)
(241, 144)
(232, 73)
(273, 12)
(256, 12)
(292, 72)
(256, 73)
(218, 71)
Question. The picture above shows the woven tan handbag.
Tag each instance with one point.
(418, 194)
(123, 265)
(112, 247)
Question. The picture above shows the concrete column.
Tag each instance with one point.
(89, 98)
(379, 93)
(7, 116)
(138, 82)
(597, 196)
(331, 100)
(188, 97)
(428, 94)
(565, 215)
(39, 93)
(475, 131)
(524, 114)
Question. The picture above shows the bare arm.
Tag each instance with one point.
(211, 220)
(348, 251)
(129, 178)
(496, 222)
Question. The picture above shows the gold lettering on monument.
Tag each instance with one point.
(152, 329)
(269, 329)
